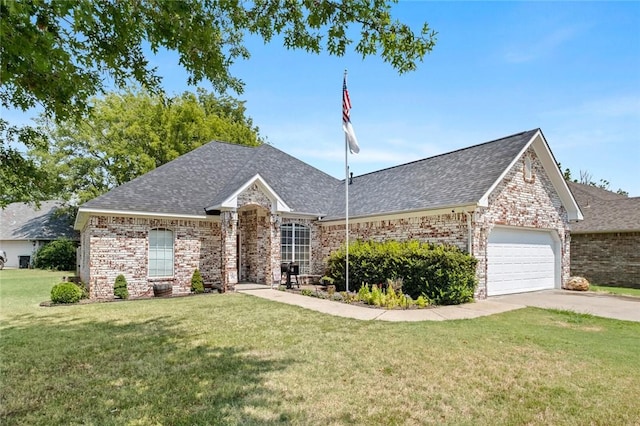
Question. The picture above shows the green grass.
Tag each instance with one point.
(235, 359)
(616, 290)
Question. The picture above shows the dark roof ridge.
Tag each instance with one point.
(446, 153)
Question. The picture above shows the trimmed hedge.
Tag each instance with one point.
(443, 274)
(66, 293)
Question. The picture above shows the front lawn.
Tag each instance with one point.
(616, 290)
(235, 359)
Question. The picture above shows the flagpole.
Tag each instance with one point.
(346, 200)
(346, 209)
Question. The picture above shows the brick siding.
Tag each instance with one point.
(120, 245)
(607, 259)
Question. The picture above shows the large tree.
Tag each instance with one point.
(131, 133)
(59, 53)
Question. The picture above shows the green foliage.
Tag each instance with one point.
(84, 289)
(75, 47)
(66, 293)
(131, 133)
(306, 292)
(389, 298)
(120, 287)
(441, 274)
(23, 179)
(422, 301)
(58, 255)
(197, 285)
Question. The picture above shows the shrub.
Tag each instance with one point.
(441, 274)
(306, 292)
(120, 287)
(197, 285)
(66, 293)
(84, 289)
(59, 255)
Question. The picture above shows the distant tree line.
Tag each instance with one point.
(586, 178)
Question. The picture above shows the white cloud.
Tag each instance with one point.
(544, 45)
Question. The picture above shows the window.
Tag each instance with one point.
(294, 245)
(160, 253)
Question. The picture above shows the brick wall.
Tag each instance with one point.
(607, 259)
(524, 203)
(120, 245)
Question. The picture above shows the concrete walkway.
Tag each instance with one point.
(469, 310)
(624, 308)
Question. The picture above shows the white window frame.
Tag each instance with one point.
(167, 269)
(300, 252)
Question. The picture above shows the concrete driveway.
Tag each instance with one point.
(598, 304)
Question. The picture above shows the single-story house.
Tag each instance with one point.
(236, 212)
(24, 228)
(605, 246)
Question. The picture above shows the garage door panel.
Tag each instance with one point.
(520, 260)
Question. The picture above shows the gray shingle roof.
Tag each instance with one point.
(20, 221)
(605, 211)
(209, 174)
(457, 178)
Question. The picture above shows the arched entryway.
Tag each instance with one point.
(254, 244)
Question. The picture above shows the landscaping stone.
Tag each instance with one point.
(577, 284)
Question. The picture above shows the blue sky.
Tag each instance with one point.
(570, 68)
(498, 68)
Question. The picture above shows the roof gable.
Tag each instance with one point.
(541, 148)
(231, 202)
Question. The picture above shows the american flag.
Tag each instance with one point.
(346, 119)
(346, 103)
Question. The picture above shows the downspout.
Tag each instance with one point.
(470, 233)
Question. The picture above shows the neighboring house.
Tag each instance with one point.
(237, 212)
(24, 228)
(605, 246)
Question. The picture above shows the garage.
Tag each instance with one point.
(520, 260)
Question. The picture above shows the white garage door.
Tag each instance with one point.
(520, 260)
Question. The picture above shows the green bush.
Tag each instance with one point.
(66, 293)
(120, 287)
(59, 255)
(443, 275)
(84, 289)
(197, 285)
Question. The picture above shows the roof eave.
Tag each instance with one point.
(84, 213)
